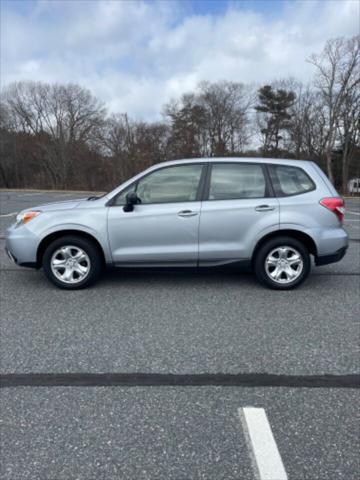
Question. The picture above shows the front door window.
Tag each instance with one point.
(170, 185)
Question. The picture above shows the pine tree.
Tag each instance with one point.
(274, 105)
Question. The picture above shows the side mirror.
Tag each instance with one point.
(131, 200)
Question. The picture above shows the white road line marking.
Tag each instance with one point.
(29, 194)
(8, 214)
(352, 213)
(263, 449)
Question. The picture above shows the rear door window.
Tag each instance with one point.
(288, 180)
(231, 181)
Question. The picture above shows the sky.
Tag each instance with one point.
(137, 55)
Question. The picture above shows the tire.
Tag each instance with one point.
(276, 262)
(72, 262)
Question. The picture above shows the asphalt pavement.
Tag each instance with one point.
(213, 321)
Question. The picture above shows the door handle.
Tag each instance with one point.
(264, 208)
(187, 213)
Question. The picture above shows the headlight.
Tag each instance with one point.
(25, 217)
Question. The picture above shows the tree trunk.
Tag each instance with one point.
(329, 165)
(4, 182)
(345, 168)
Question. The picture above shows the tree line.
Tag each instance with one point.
(61, 136)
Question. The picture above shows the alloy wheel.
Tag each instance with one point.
(70, 264)
(284, 264)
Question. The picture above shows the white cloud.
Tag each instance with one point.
(137, 55)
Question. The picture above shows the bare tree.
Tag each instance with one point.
(348, 130)
(7, 158)
(150, 145)
(117, 139)
(133, 146)
(305, 137)
(60, 117)
(211, 121)
(226, 106)
(337, 75)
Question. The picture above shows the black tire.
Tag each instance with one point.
(95, 263)
(267, 248)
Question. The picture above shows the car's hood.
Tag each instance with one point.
(64, 205)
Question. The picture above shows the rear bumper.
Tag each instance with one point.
(333, 258)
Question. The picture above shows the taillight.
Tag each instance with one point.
(336, 205)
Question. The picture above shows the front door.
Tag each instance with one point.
(163, 229)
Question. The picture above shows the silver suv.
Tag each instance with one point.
(269, 214)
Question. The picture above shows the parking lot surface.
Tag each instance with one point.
(212, 321)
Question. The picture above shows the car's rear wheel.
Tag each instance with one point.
(72, 262)
(282, 263)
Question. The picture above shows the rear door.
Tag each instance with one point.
(237, 210)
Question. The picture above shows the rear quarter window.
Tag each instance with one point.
(288, 180)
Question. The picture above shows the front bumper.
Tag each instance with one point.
(10, 255)
(21, 246)
(333, 258)
(21, 264)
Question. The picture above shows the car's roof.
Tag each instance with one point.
(281, 161)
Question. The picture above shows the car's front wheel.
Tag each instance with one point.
(72, 262)
(282, 263)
